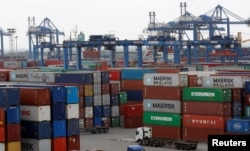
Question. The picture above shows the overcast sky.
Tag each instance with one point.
(124, 18)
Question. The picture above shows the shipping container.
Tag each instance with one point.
(97, 111)
(170, 132)
(88, 101)
(115, 111)
(133, 121)
(97, 77)
(43, 77)
(247, 99)
(132, 85)
(204, 121)
(12, 115)
(13, 132)
(72, 94)
(237, 94)
(97, 122)
(2, 134)
(35, 113)
(72, 111)
(73, 143)
(247, 112)
(238, 125)
(114, 99)
(115, 122)
(206, 94)
(123, 97)
(114, 74)
(36, 144)
(247, 87)
(2, 146)
(207, 108)
(73, 127)
(97, 100)
(88, 90)
(237, 109)
(133, 110)
(9, 97)
(157, 105)
(89, 112)
(192, 81)
(82, 78)
(161, 118)
(224, 81)
(88, 123)
(13, 146)
(106, 111)
(135, 95)
(105, 77)
(58, 128)
(168, 70)
(59, 144)
(105, 88)
(135, 73)
(157, 92)
(114, 88)
(165, 79)
(200, 134)
(2, 117)
(58, 111)
(106, 99)
(34, 96)
(36, 130)
(97, 88)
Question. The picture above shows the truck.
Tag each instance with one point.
(144, 137)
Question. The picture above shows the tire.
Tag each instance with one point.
(106, 130)
(181, 147)
(97, 131)
(177, 146)
(186, 147)
(101, 131)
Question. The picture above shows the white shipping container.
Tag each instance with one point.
(165, 79)
(200, 74)
(106, 99)
(2, 146)
(115, 111)
(41, 77)
(97, 100)
(156, 105)
(97, 88)
(72, 111)
(36, 144)
(35, 113)
(81, 123)
(224, 81)
(97, 76)
(89, 112)
(19, 75)
(12, 64)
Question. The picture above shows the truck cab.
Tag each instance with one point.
(135, 148)
(143, 133)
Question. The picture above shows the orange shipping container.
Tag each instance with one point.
(2, 117)
(73, 143)
(13, 146)
(204, 121)
(59, 144)
(133, 121)
(2, 134)
(132, 85)
(34, 96)
(158, 92)
(88, 90)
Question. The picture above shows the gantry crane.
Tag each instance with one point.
(2, 33)
(45, 32)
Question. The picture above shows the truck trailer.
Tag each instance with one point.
(144, 137)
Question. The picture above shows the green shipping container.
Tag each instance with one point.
(123, 98)
(160, 118)
(206, 94)
(115, 122)
(247, 111)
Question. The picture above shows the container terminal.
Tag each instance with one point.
(173, 89)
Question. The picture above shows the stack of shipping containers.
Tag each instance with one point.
(162, 103)
(2, 128)
(10, 102)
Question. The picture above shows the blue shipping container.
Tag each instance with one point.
(105, 77)
(81, 78)
(238, 126)
(9, 97)
(97, 122)
(114, 100)
(97, 110)
(237, 109)
(247, 87)
(135, 74)
(58, 128)
(13, 115)
(72, 95)
(134, 95)
(73, 127)
(106, 111)
(36, 130)
(58, 111)
(88, 101)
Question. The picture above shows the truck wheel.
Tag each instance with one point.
(181, 146)
(101, 130)
(106, 130)
(186, 147)
(177, 146)
(97, 131)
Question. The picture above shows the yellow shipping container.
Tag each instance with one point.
(88, 90)
(13, 146)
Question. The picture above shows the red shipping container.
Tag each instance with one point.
(53, 62)
(105, 88)
(114, 74)
(59, 144)
(1, 64)
(133, 121)
(121, 109)
(170, 132)
(200, 134)
(114, 88)
(133, 110)
(2, 134)
(237, 94)
(4, 76)
(204, 121)
(192, 80)
(73, 143)
(132, 85)
(2, 117)
(88, 123)
(159, 92)
(106, 121)
(247, 99)
(32, 63)
(34, 96)
(168, 70)
(81, 113)
(13, 132)
(207, 108)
